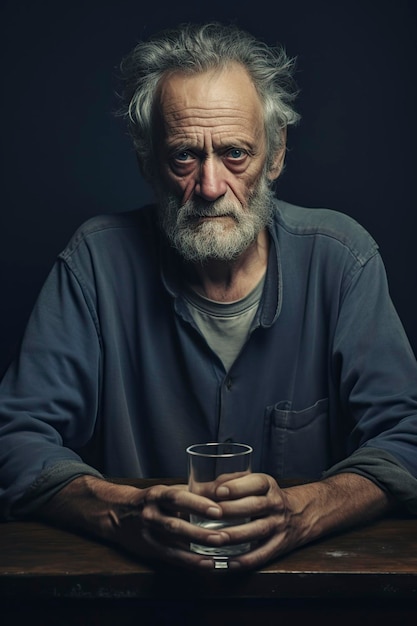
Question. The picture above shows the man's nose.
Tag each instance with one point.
(211, 183)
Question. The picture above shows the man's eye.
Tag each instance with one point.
(235, 153)
(182, 156)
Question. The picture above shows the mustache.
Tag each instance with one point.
(194, 210)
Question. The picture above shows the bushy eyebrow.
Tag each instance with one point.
(222, 147)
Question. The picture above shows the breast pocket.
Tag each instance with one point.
(296, 443)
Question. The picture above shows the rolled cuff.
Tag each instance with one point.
(48, 484)
(384, 470)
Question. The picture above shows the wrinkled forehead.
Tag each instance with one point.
(217, 91)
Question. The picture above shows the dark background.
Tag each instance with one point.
(65, 157)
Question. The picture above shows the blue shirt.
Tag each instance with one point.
(114, 378)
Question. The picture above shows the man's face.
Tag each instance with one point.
(215, 197)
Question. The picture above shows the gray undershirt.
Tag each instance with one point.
(225, 326)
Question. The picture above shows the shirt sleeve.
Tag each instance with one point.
(50, 394)
(385, 471)
(48, 483)
(376, 371)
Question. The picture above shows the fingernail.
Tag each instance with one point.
(222, 492)
(213, 511)
(215, 539)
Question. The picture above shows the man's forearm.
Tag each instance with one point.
(335, 503)
(91, 504)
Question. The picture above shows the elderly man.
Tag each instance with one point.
(218, 314)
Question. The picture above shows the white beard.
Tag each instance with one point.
(199, 240)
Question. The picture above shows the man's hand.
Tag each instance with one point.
(152, 522)
(284, 519)
(159, 526)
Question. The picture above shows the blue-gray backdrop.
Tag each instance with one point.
(65, 157)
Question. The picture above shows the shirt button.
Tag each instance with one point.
(228, 384)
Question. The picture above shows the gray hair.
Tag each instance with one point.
(194, 49)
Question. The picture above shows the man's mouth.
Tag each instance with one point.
(210, 216)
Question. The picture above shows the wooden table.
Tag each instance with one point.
(365, 576)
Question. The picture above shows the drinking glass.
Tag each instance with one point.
(210, 462)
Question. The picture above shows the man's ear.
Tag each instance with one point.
(277, 164)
